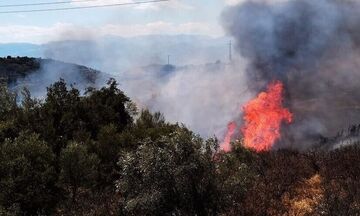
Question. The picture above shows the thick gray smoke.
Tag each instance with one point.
(313, 48)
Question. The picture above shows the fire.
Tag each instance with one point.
(225, 146)
(263, 117)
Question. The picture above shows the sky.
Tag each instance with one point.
(173, 17)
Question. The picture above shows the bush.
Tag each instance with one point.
(27, 174)
(78, 167)
(173, 175)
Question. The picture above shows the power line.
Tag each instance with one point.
(46, 3)
(82, 7)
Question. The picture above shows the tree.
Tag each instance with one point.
(27, 174)
(7, 102)
(109, 105)
(60, 115)
(8, 112)
(236, 172)
(147, 126)
(173, 175)
(107, 148)
(78, 167)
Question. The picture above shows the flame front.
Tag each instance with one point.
(263, 117)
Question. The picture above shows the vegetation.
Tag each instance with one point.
(96, 154)
(14, 69)
(11, 68)
(171, 175)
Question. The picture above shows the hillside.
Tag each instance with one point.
(97, 154)
(13, 69)
(37, 73)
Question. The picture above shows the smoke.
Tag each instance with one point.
(51, 71)
(313, 48)
(204, 97)
(117, 55)
(199, 92)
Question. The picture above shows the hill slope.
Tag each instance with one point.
(36, 73)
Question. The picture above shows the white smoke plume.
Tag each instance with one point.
(205, 97)
(197, 90)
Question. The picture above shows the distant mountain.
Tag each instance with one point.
(115, 54)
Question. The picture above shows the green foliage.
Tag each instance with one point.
(13, 68)
(78, 167)
(27, 175)
(95, 121)
(71, 147)
(7, 102)
(237, 170)
(60, 115)
(173, 175)
(8, 111)
(106, 106)
(107, 146)
(147, 126)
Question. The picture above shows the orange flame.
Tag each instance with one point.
(263, 117)
(225, 146)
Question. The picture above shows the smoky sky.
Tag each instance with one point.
(280, 37)
(313, 47)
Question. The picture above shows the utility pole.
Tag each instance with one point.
(168, 60)
(230, 52)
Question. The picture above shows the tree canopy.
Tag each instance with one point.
(97, 154)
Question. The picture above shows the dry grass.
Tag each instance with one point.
(306, 197)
